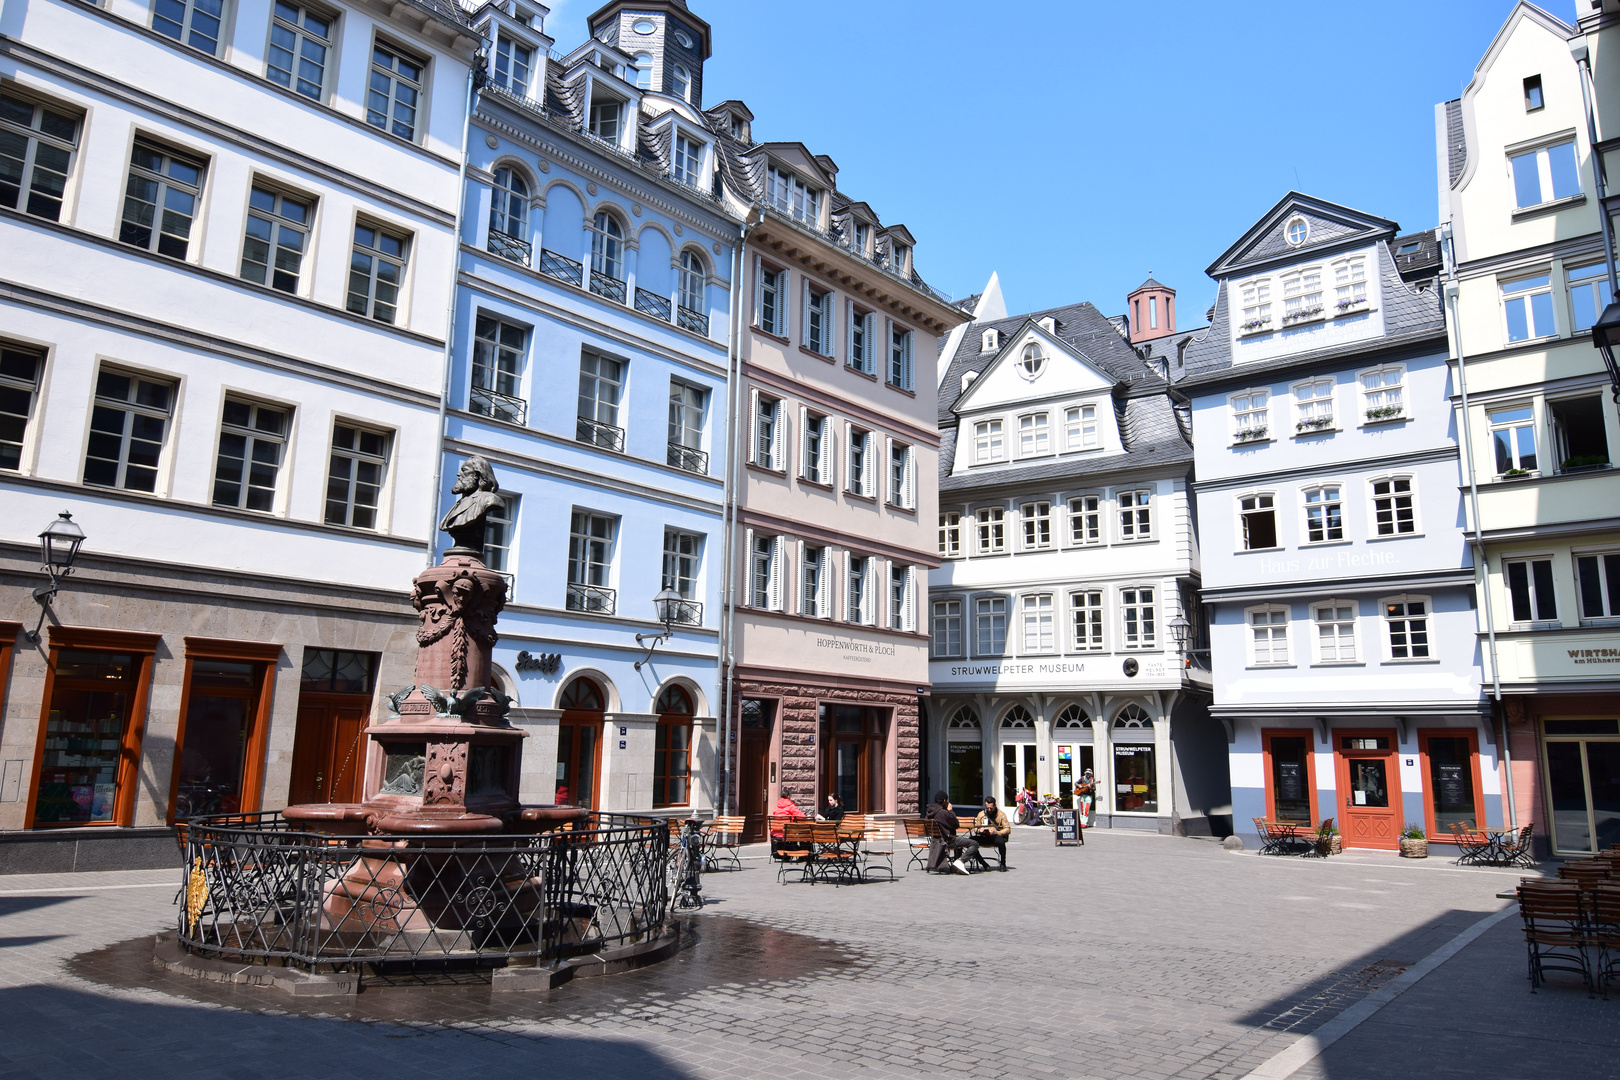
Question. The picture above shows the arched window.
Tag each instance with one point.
(607, 247)
(643, 64)
(1133, 716)
(1034, 361)
(693, 278)
(1073, 717)
(672, 748)
(581, 695)
(675, 699)
(681, 82)
(509, 208)
(964, 719)
(1017, 717)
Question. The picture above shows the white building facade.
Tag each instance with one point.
(230, 247)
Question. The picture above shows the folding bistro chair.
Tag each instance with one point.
(1605, 911)
(1517, 853)
(1271, 841)
(724, 842)
(877, 842)
(1472, 847)
(798, 850)
(919, 838)
(1554, 930)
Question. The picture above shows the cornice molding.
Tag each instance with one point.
(834, 403)
(750, 518)
(539, 466)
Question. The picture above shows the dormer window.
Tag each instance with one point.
(688, 156)
(792, 196)
(512, 64)
(990, 342)
(863, 237)
(605, 114)
(1033, 362)
(901, 252)
(737, 128)
(642, 65)
(681, 83)
(1296, 231)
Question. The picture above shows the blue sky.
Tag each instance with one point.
(1076, 147)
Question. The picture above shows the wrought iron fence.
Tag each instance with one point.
(684, 457)
(599, 434)
(695, 321)
(562, 267)
(486, 402)
(686, 613)
(652, 304)
(610, 287)
(509, 247)
(256, 890)
(597, 599)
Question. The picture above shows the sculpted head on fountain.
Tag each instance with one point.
(475, 483)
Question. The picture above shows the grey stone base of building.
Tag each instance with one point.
(64, 851)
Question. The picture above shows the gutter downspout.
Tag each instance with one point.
(474, 83)
(729, 617)
(1478, 540)
(1583, 61)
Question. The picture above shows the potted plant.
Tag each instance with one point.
(1252, 326)
(1385, 412)
(1251, 434)
(1414, 842)
(1346, 305)
(1328, 840)
(1316, 424)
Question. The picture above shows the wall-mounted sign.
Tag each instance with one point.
(544, 663)
(1032, 672)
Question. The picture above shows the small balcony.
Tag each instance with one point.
(513, 410)
(561, 267)
(610, 287)
(688, 459)
(606, 436)
(652, 304)
(596, 599)
(686, 613)
(695, 321)
(510, 248)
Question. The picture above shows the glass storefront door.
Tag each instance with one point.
(1290, 776)
(220, 710)
(1583, 783)
(1451, 763)
(1017, 771)
(1136, 780)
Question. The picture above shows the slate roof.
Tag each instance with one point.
(446, 10)
(1424, 262)
(1080, 326)
(1456, 142)
(1150, 284)
(1410, 314)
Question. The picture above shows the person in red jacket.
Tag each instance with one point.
(785, 808)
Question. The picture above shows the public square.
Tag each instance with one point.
(1137, 955)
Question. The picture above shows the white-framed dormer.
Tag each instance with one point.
(612, 98)
(1082, 433)
(691, 148)
(990, 340)
(518, 47)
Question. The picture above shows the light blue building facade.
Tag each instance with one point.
(1336, 572)
(590, 368)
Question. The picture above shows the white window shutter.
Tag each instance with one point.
(753, 426)
(913, 600)
(829, 332)
(783, 279)
(804, 443)
(824, 590)
(777, 543)
(909, 338)
(759, 294)
(886, 357)
(867, 487)
(748, 567)
(849, 583)
(909, 487)
(804, 311)
(829, 452)
(888, 465)
(780, 444)
(874, 569)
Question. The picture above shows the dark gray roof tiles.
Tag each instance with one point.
(1456, 142)
(1151, 284)
(1152, 433)
(1423, 258)
(1322, 231)
(1081, 326)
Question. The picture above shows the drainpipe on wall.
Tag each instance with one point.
(475, 82)
(728, 619)
(1478, 540)
(1583, 62)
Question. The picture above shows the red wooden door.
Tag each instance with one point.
(753, 789)
(1369, 783)
(329, 748)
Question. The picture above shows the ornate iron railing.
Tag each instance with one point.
(510, 247)
(686, 613)
(256, 890)
(695, 321)
(684, 457)
(597, 434)
(596, 599)
(610, 287)
(652, 304)
(562, 267)
(513, 410)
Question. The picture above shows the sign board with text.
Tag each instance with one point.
(1066, 828)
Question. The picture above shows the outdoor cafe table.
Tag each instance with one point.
(1499, 845)
(1282, 834)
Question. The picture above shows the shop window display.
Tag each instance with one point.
(1135, 780)
(92, 697)
(213, 755)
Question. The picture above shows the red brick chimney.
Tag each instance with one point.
(1151, 308)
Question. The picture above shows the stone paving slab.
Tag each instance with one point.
(1135, 956)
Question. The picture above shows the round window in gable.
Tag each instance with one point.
(643, 26)
(684, 38)
(1033, 363)
(1296, 231)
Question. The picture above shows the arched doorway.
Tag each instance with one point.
(579, 743)
(1136, 775)
(1071, 732)
(964, 758)
(672, 751)
(1018, 757)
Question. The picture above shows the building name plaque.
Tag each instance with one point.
(1595, 656)
(1152, 667)
(861, 652)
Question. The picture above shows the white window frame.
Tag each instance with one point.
(1302, 296)
(862, 326)
(1275, 631)
(901, 368)
(1254, 303)
(1388, 502)
(817, 322)
(815, 447)
(1534, 594)
(989, 441)
(947, 616)
(1035, 525)
(358, 456)
(500, 536)
(1086, 610)
(1134, 520)
(1086, 521)
(1382, 400)
(1270, 503)
(989, 341)
(1325, 499)
(1540, 159)
(1251, 415)
(1037, 619)
(1607, 582)
(902, 483)
(1344, 636)
(859, 450)
(1146, 610)
(1589, 294)
(686, 160)
(788, 194)
(1035, 434)
(388, 119)
(990, 522)
(857, 591)
(1080, 429)
(815, 574)
(984, 614)
(950, 534)
(776, 283)
(1534, 293)
(763, 408)
(254, 437)
(765, 553)
(505, 70)
(1404, 618)
(1315, 405)
(1512, 428)
(1350, 285)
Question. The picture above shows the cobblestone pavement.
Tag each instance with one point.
(1135, 956)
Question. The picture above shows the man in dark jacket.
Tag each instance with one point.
(991, 827)
(953, 848)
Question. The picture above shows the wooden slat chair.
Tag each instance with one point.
(777, 823)
(975, 860)
(1271, 840)
(877, 847)
(834, 856)
(1555, 932)
(725, 841)
(797, 851)
(919, 838)
(1472, 847)
(1587, 873)
(1518, 852)
(1605, 926)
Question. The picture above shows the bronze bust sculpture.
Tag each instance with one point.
(475, 483)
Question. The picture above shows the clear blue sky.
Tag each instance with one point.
(1075, 147)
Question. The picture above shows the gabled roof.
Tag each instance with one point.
(1329, 227)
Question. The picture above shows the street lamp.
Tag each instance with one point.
(668, 606)
(58, 548)
(1606, 335)
(1179, 627)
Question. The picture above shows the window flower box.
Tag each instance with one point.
(1515, 474)
(1387, 412)
(1345, 306)
(1254, 434)
(1303, 315)
(1317, 424)
(1254, 326)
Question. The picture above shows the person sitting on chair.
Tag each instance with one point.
(953, 848)
(785, 808)
(833, 811)
(991, 828)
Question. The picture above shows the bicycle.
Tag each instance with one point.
(685, 866)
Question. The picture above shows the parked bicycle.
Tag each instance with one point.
(685, 867)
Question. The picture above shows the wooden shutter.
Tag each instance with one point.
(867, 487)
(824, 589)
(748, 568)
(889, 494)
(804, 443)
(753, 425)
(848, 584)
(777, 544)
(783, 280)
(780, 444)
(759, 295)
(829, 331)
(829, 456)
(908, 487)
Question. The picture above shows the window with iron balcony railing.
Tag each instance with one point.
(652, 304)
(509, 248)
(610, 287)
(598, 434)
(688, 459)
(485, 402)
(596, 599)
(562, 267)
(686, 613)
(695, 321)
